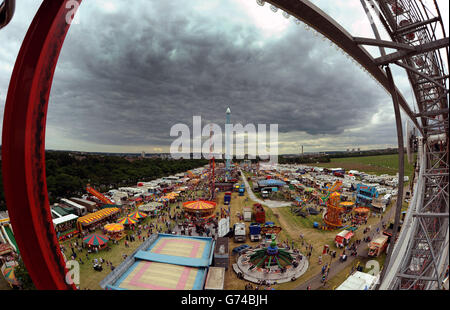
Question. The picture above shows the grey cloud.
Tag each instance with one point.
(126, 78)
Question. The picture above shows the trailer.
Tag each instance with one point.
(247, 213)
(255, 232)
(221, 253)
(227, 198)
(343, 238)
(260, 214)
(239, 232)
(378, 246)
(215, 278)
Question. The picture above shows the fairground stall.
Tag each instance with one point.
(89, 220)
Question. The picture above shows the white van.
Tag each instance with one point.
(239, 232)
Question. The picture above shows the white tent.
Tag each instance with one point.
(359, 281)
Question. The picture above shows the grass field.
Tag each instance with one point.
(380, 164)
(3, 284)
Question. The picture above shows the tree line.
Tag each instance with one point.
(68, 174)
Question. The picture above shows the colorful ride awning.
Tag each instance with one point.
(97, 216)
(362, 210)
(199, 205)
(114, 227)
(137, 215)
(348, 235)
(10, 276)
(346, 204)
(127, 221)
(96, 239)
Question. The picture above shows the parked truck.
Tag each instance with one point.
(241, 191)
(255, 232)
(378, 246)
(260, 214)
(247, 213)
(343, 238)
(227, 198)
(239, 232)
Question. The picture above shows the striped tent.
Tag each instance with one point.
(95, 239)
(99, 215)
(199, 205)
(137, 215)
(10, 276)
(114, 227)
(91, 218)
(127, 221)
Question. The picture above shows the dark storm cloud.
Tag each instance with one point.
(125, 78)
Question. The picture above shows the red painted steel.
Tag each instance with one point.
(23, 146)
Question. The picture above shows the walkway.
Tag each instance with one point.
(267, 202)
(337, 266)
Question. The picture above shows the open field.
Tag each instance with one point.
(380, 164)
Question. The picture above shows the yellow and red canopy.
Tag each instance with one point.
(97, 216)
(115, 227)
(127, 221)
(199, 205)
(137, 215)
(362, 210)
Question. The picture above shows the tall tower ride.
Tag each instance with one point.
(227, 141)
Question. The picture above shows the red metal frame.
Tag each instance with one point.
(23, 146)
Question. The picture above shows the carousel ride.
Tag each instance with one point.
(271, 264)
(199, 209)
(271, 256)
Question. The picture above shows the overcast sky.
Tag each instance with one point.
(128, 73)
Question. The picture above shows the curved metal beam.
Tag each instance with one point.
(313, 16)
(23, 147)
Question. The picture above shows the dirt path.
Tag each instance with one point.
(268, 203)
